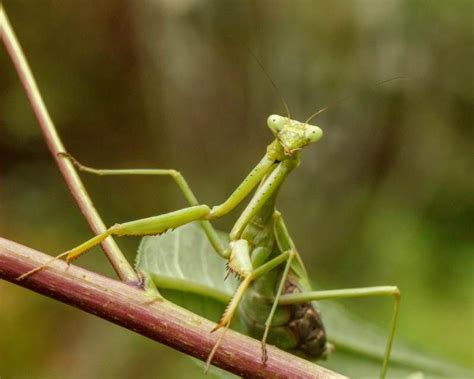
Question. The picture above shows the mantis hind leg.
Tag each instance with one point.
(285, 242)
(268, 322)
(305, 297)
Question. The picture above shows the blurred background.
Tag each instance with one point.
(386, 197)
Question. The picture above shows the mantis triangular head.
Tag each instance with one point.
(293, 135)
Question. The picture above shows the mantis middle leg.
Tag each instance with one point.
(285, 242)
(178, 179)
(158, 224)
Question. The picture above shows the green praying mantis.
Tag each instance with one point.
(274, 297)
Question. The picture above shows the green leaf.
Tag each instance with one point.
(187, 272)
(184, 267)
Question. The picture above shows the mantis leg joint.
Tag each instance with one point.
(397, 294)
(175, 174)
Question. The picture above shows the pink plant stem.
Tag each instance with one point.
(159, 319)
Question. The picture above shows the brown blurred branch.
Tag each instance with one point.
(159, 320)
(55, 145)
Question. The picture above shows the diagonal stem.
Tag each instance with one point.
(159, 320)
(121, 266)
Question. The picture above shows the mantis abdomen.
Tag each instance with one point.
(296, 327)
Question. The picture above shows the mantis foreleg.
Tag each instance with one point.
(263, 167)
(268, 189)
(305, 297)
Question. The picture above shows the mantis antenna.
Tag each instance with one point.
(345, 98)
(262, 67)
(275, 87)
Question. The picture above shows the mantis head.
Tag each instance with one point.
(293, 135)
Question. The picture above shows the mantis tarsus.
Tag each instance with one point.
(261, 252)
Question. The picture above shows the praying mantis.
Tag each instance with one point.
(274, 296)
(260, 252)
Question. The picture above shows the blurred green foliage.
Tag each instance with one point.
(386, 197)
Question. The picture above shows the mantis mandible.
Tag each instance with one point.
(260, 252)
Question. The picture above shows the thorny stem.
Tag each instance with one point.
(157, 319)
(121, 266)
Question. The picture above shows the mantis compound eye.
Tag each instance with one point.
(313, 133)
(276, 122)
